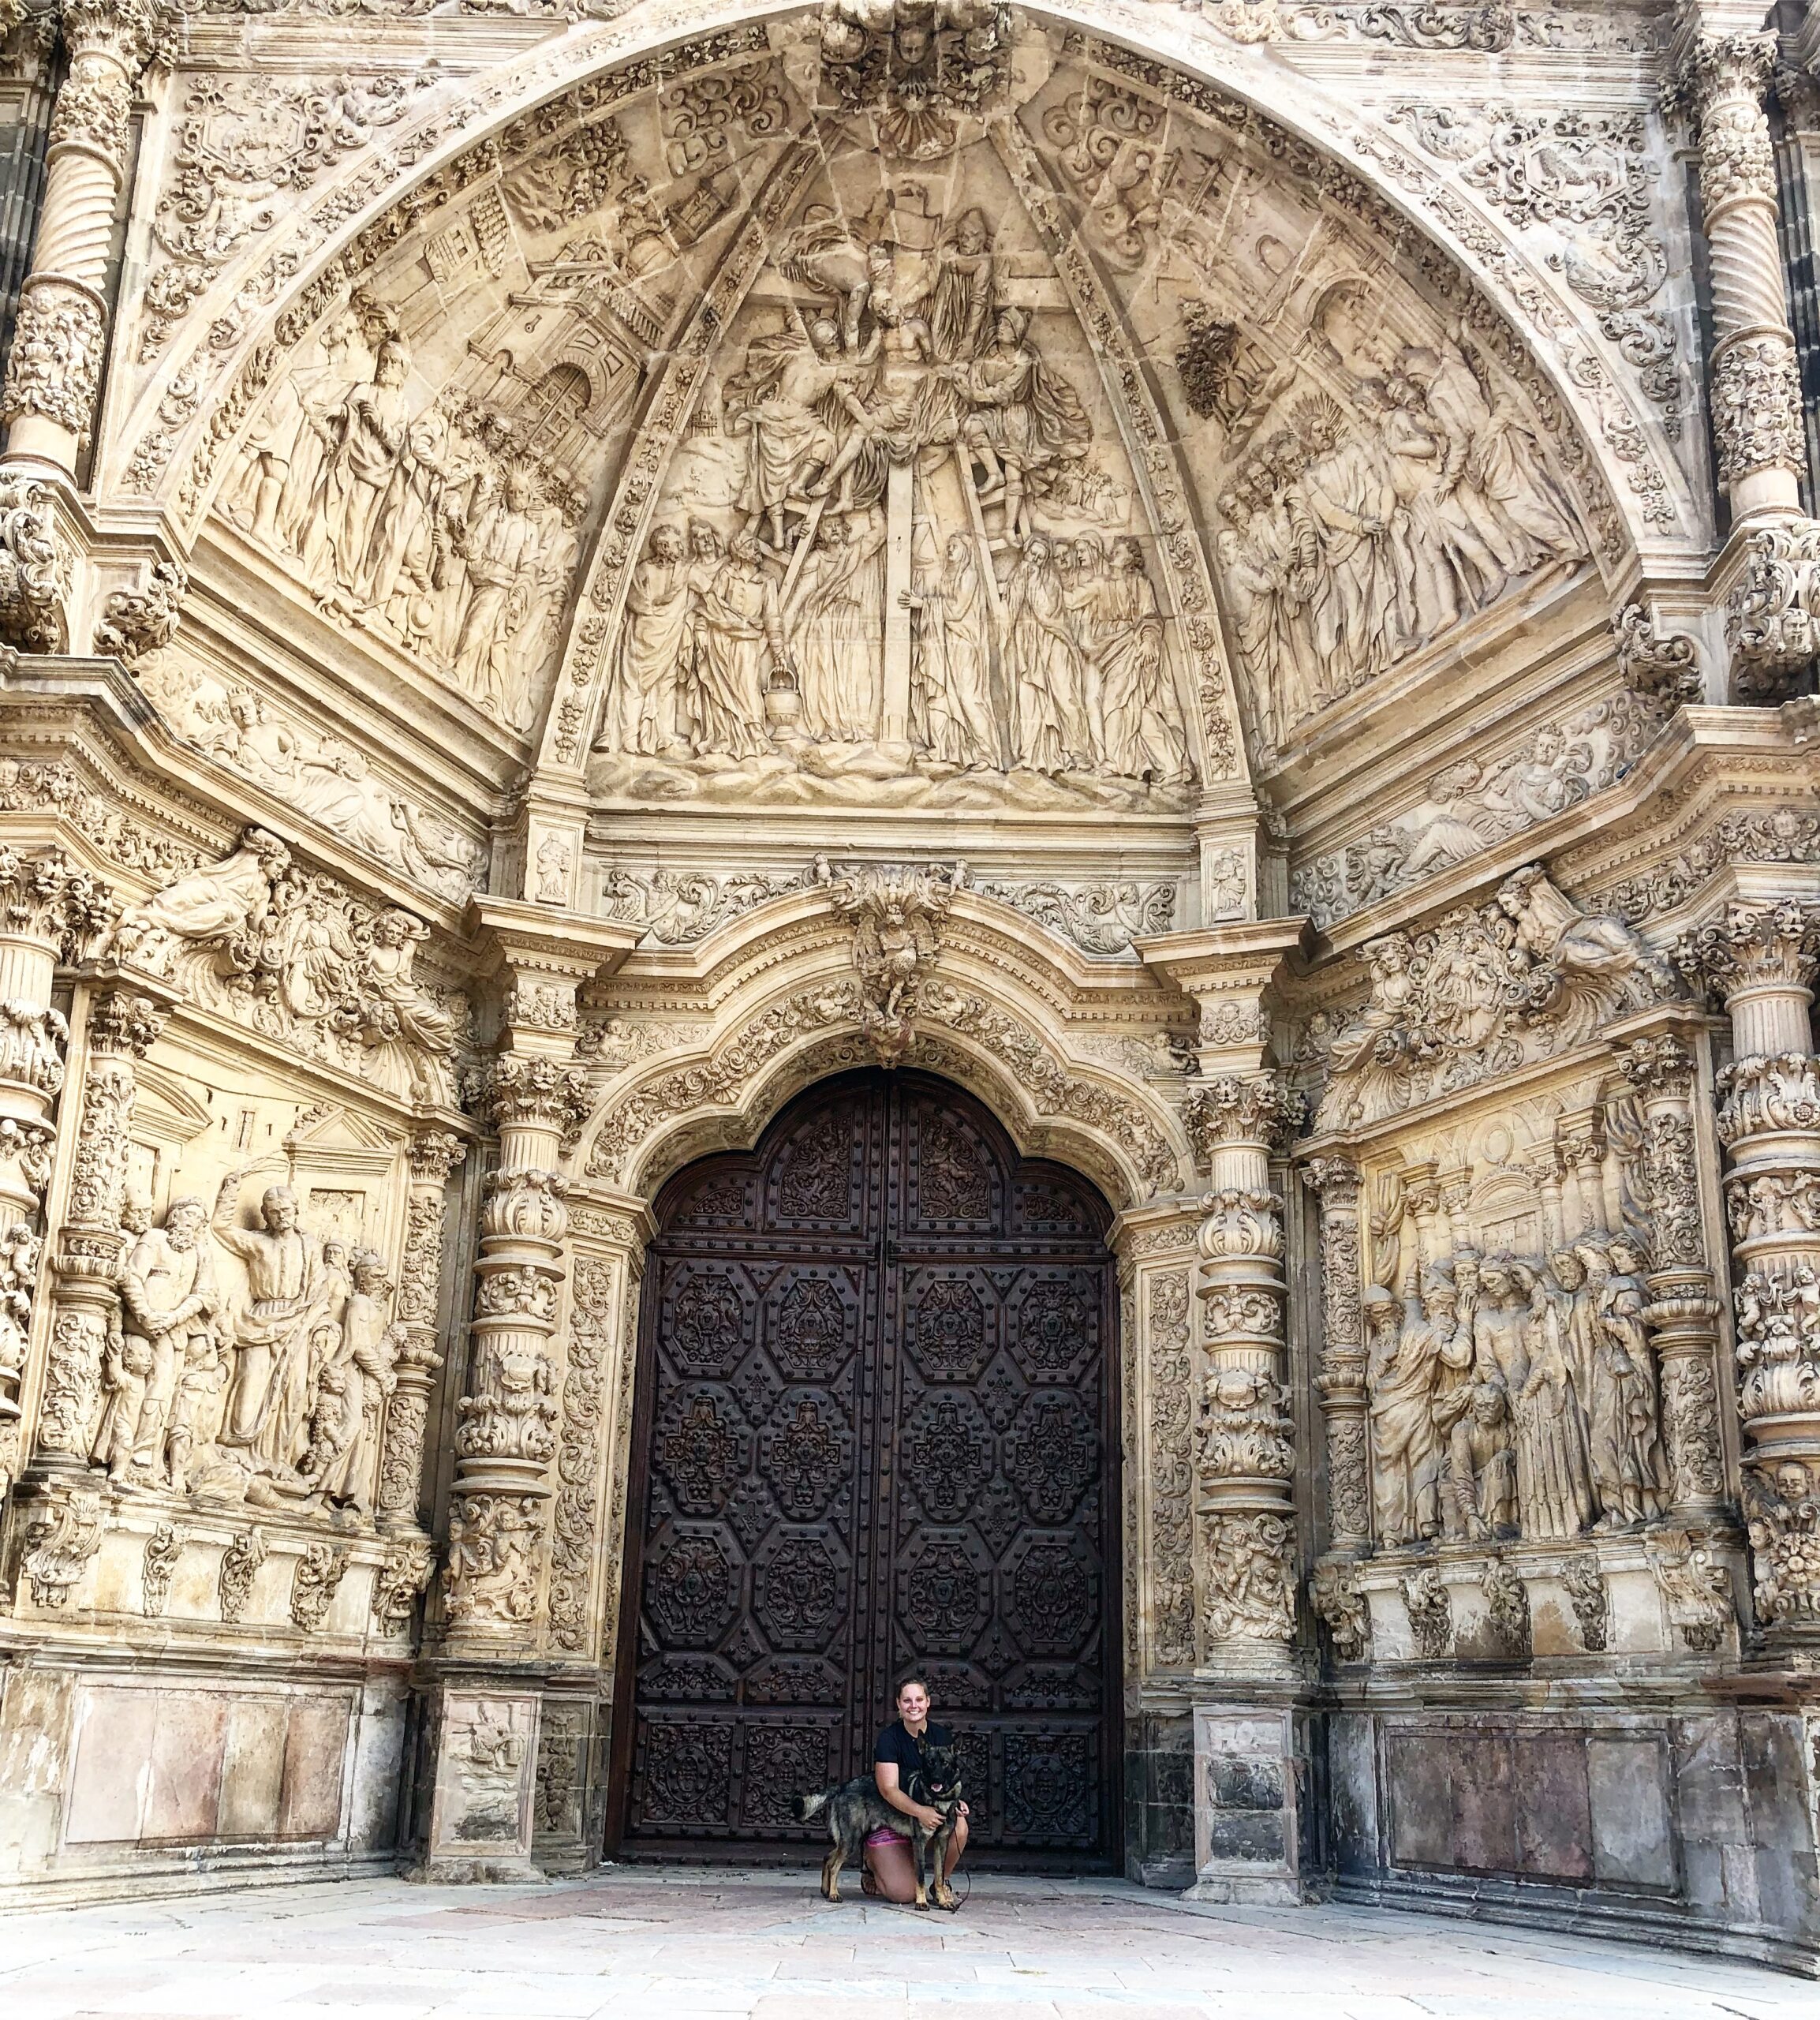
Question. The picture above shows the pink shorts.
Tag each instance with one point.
(884, 1836)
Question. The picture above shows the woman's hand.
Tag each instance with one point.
(930, 1819)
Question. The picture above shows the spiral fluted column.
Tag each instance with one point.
(1755, 387)
(54, 370)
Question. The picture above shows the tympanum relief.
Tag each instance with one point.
(903, 547)
(905, 525)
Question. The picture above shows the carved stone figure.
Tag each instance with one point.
(170, 1319)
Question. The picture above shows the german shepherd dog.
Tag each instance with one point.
(855, 1809)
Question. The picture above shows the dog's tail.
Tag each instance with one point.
(806, 1806)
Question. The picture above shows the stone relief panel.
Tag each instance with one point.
(423, 466)
(1476, 801)
(253, 1356)
(425, 463)
(295, 955)
(325, 778)
(902, 550)
(1373, 473)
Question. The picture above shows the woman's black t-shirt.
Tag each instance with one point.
(906, 1749)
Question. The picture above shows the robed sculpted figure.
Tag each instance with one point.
(287, 1291)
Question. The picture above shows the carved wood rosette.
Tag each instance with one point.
(1762, 958)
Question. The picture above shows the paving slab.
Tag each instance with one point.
(685, 1943)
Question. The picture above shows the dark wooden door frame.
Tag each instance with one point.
(623, 1711)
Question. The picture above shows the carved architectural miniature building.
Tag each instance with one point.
(920, 831)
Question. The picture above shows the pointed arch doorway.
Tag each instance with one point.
(876, 1424)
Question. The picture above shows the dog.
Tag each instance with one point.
(855, 1809)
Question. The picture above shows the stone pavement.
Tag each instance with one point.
(689, 1945)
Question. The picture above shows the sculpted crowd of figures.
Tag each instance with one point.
(1353, 539)
(1516, 1396)
(438, 522)
(311, 963)
(277, 1400)
(768, 624)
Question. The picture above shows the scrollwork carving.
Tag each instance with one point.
(62, 1536)
(1487, 991)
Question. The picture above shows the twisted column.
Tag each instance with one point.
(1340, 1383)
(55, 368)
(433, 1155)
(1762, 958)
(1755, 386)
(1245, 1453)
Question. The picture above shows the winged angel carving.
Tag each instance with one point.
(1487, 989)
(894, 915)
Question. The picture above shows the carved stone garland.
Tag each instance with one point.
(1246, 1456)
(1683, 1308)
(46, 905)
(123, 1025)
(1340, 1383)
(1762, 958)
(433, 1156)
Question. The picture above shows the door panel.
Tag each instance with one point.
(877, 1431)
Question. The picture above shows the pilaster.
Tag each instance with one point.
(1760, 958)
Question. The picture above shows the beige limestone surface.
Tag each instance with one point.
(680, 1943)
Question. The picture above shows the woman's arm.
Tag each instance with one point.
(885, 1774)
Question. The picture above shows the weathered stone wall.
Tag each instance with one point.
(1232, 579)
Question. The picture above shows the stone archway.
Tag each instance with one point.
(876, 1424)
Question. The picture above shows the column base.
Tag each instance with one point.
(483, 1768)
(1250, 1766)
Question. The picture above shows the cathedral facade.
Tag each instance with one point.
(921, 833)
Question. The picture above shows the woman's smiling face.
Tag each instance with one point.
(913, 1703)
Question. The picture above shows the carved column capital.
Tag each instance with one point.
(1723, 81)
(1773, 947)
(434, 1154)
(531, 1091)
(1658, 1066)
(1259, 1112)
(1336, 1181)
(125, 1023)
(47, 900)
(1770, 629)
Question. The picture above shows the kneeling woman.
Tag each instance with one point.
(899, 1768)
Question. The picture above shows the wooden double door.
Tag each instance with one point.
(876, 1427)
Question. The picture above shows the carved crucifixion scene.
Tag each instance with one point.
(914, 840)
